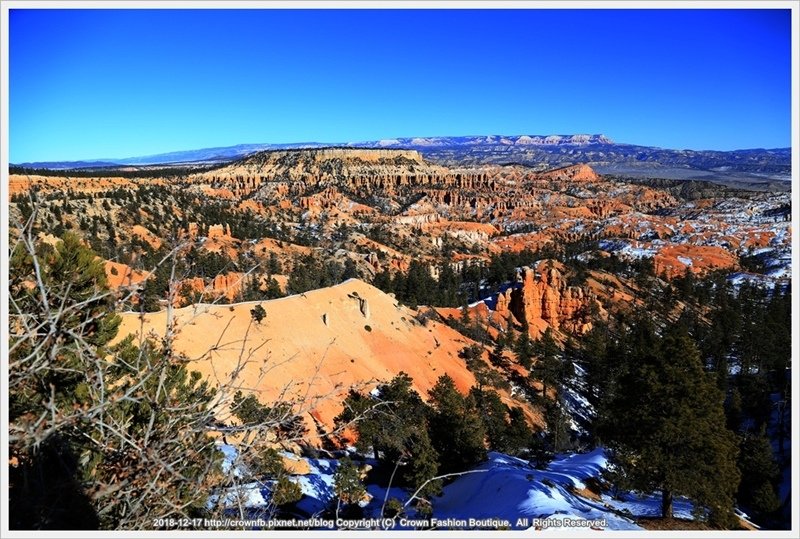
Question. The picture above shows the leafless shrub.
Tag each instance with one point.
(124, 436)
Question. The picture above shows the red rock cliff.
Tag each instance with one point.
(544, 299)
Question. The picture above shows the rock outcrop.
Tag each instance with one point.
(577, 173)
(544, 299)
(676, 260)
(294, 172)
(316, 365)
(121, 275)
(219, 231)
(228, 285)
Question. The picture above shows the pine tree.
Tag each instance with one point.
(669, 431)
(257, 454)
(549, 368)
(760, 474)
(449, 285)
(394, 425)
(92, 426)
(557, 417)
(274, 265)
(350, 270)
(519, 435)
(383, 281)
(273, 289)
(484, 374)
(252, 288)
(523, 349)
(422, 464)
(285, 491)
(347, 483)
(258, 313)
(594, 357)
(494, 415)
(456, 429)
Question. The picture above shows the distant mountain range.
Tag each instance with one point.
(539, 151)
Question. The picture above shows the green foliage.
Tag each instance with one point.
(252, 291)
(100, 172)
(519, 435)
(667, 424)
(267, 460)
(92, 426)
(113, 437)
(274, 266)
(273, 289)
(279, 418)
(74, 310)
(72, 274)
(760, 474)
(350, 270)
(310, 273)
(249, 410)
(503, 266)
(285, 491)
(456, 428)
(523, 349)
(207, 264)
(598, 365)
(549, 368)
(347, 482)
(258, 313)
(383, 281)
(418, 287)
(150, 417)
(494, 416)
(422, 464)
(394, 425)
(156, 288)
(484, 374)
(756, 403)
(394, 508)
(557, 417)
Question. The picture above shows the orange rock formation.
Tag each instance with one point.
(546, 300)
(314, 345)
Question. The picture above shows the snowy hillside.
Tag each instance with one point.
(502, 492)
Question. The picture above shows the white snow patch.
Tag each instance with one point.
(501, 488)
(388, 142)
(510, 488)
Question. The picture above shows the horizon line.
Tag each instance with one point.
(348, 144)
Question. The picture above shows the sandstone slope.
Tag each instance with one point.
(313, 345)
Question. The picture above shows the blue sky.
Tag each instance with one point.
(119, 83)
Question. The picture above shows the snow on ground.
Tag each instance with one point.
(509, 488)
(648, 505)
(580, 410)
(229, 455)
(769, 282)
(501, 489)
(248, 495)
(629, 250)
(686, 261)
(317, 486)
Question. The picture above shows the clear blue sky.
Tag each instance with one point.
(119, 83)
